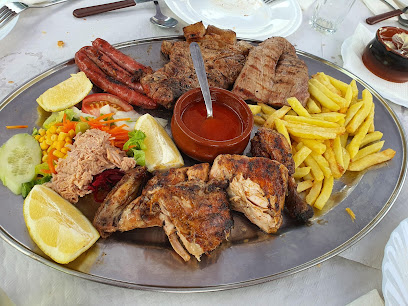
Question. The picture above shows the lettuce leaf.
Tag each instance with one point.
(135, 146)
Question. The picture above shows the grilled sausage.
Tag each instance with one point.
(100, 79)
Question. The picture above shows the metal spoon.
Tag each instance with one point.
(202, 76)
(161, 20)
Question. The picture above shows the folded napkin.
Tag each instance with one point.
(371, 298)
(379, 7)
(352, 50)
(304, 4)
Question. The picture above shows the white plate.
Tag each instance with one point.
(395, 267)
(8, 27)
(248, 18)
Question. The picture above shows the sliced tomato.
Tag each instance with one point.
(92, 103)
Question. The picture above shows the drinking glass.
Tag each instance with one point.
(328, 14)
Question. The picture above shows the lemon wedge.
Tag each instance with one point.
(161, 152)
(65, 94)
(58, 228)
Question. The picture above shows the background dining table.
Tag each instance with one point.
(31, 48)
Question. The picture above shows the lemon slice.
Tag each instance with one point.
(66, 94)
(161, 152)
(58, 228)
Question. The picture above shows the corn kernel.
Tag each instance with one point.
(48, 142)
(52, 129)
(49, 149)
(44, 152)
(37, 137)
(41, 139)
(71, 133)
(59, 129)
(42, 132)
(59, 145)
(44, 158)
(64, 150)
(54, 137)
(58, 154)
(62, 136)
(43, 146)
(68, 140)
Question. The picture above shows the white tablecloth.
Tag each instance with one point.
(31, 48)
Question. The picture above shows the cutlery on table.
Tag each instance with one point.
(387, 15)
(162, 20)
(401, 20)
(102, 8)
(12, 9)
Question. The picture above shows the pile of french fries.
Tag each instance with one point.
(334, 133)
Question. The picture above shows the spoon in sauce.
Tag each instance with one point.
(199, 67)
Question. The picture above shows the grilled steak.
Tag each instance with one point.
(223, 59)
(273, 73)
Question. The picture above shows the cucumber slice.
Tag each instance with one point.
(18, 158)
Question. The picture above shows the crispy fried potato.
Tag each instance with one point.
(302, 186)
(298, 107)
(352, 111)
(338, 152)
(312, 107)
(315, 145)
(311, 121)
(281, 128)
(269, 110)
(354, 89)
(324, 100)
(331, 116)
(374, 148)
(331, 95)
(354, 144)
(371, 137)
(331, 159)
(259, 120)
(322, 78)
(278, 114)
(347, 159)
(362, 113)
(301, 155)
(325, 193)
(339, 85)
(314, 192)
(323, 164)
(299, 131)
(301, 172)
(255, 109)
(314, 168)
(371, 160)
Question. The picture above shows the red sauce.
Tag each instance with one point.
(225, 124)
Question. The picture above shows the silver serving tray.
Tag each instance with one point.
(143, 258)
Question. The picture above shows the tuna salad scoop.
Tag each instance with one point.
(91, 154)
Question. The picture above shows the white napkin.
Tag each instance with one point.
(371, 298)
(304, 4)
(352, 51)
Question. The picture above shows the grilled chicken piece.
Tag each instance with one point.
(257, 187)
(110, 211)
(273, 73)
(223, 59)
(195, 213)
(144, 211)
(271, 144)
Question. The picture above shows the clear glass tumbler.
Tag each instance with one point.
(328, 14)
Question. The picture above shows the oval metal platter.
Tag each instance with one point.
(143, 258)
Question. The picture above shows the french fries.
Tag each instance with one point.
(333, 133)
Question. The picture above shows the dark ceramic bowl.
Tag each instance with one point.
(200, 148)
(385, 62)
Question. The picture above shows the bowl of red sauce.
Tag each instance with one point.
(387, 54)
(202, 138)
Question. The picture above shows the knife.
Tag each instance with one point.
(97, 9)
(384, 16)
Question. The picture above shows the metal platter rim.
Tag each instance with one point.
(387, 206)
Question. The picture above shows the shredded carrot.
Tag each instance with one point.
(50, 161)
(351, 213)
(10, 127)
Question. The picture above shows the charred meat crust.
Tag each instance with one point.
(110, 211)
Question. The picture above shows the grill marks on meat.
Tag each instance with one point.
(223, 61)
(110, 211)
(198, 213)
(257, 187)
(271, 144)
(273, 73)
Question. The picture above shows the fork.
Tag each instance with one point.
(12, 9)
(268, 1)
